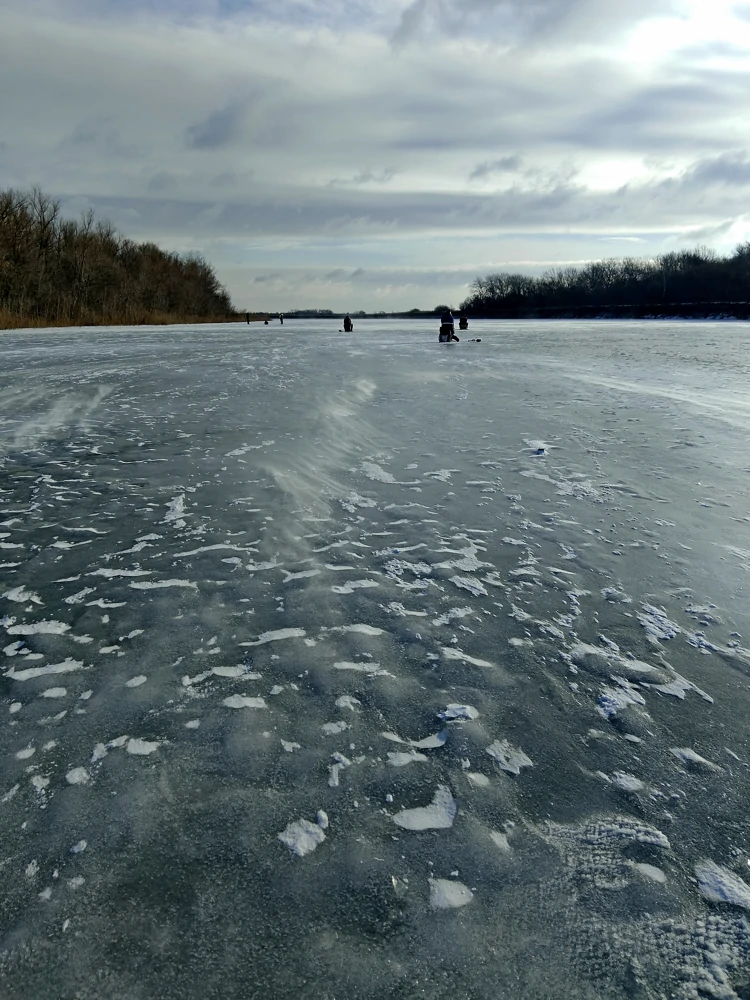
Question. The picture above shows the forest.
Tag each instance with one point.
(62, 272)
(686, 282)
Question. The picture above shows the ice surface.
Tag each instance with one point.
(272, 622)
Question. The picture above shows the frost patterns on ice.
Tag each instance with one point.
(438, 815)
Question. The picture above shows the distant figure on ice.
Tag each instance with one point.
(463, 322)
(281, 318)
(265, 321)
(447, 328)
(247, 317)
(348, 325)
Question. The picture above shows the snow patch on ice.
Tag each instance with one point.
(78, 776)
(509, 758)
(276, 635)
(438, 815)
(458, 713)
(445, 894)
(302, 837)
(243, 701)
(720, 885)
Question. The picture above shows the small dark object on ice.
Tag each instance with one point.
(540, 451)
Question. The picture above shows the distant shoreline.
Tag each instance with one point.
(25, 322)
(663, 311)
(653, 310)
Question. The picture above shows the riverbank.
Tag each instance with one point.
(659, 310)
(23, 321)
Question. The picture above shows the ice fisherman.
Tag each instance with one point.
(447, 328)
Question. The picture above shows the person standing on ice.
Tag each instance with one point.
(348, 325)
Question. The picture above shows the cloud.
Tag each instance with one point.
(98, 135)
(219, 129)
(290, 138)
(515, 22)
(411, 22)
(506, 164)
(727, 169)
(365, 177)
(162, 182)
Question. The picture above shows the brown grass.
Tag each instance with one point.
(140, 317)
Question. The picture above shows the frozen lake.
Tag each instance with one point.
(359, 666)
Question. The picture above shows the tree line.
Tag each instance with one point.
(681, 281)
(56, 271)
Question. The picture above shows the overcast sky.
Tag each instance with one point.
(379, 154)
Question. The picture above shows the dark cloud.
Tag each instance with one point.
(707, 234)
(365, 177)
(711, 190)
(659, 117)
(410, 24)
(161, 182)
(226, 179)
(732, 169)
(506, 164)
(99, 134)
(218, 130)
